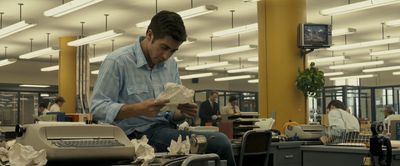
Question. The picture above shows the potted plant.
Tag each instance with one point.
(310, 81)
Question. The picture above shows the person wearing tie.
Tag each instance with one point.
(209, 110)
(231, 108)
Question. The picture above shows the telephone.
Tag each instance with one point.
(376, 142)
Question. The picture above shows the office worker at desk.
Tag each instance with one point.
(232, 107)
(58, 102)
(390, 115)
(339, 119)
(209, 110)
(130, 79)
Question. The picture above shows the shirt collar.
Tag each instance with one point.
(140, 58)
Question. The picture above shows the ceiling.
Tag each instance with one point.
(369, 28)
(124, 14)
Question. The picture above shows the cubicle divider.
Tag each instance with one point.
(18, 105)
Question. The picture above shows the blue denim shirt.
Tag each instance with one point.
(124, 78)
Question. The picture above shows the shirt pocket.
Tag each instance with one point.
(138, 93)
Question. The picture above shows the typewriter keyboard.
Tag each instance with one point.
(87, 143)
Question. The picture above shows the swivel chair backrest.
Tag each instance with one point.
(255, 146)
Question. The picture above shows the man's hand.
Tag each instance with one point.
(187, 110)
(152, 107)
(148, 108)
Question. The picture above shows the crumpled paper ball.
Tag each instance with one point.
(179, 147)
(176, 94)
(184, 126)
(3, 155)
(25, 155)
(143, 152)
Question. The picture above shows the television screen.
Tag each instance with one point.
(314, 35)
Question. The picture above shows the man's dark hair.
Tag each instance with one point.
(232, 98)
(42, 105)
(166, 23)
(337, 104)
(212, 93)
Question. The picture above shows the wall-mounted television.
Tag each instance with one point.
(314, 35)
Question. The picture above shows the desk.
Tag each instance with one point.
(318, 155)
(282, 153)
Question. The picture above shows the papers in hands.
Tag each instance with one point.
(176, 94)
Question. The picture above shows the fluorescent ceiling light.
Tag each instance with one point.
(37, 53)
(343, 31)
(44, 95)
(233, 78)
(34, 86)
(378, 53)
(7, 61)
(199, 75)
(95, 72)
(95, 38)
(236, 30)
(206, 66)
(381, 69)
(253, 81)
(396, 73)
(69, 7)
(351, 77)
(193, 12)
(364, 44)
(253, 59)
(251, 0)
(393, 23)
(177, 60)
(333, 74)
(227, 51)
(355, 65)
(249, 69)
(327, 59)
(97, 59)
(51, 68)
(189, 40)
(14, 28)
(367, 4)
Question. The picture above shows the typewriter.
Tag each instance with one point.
(69, 141)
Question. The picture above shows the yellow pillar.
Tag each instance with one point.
(279, 60)
(67, 74)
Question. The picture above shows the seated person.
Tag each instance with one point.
(130, 79)
(231, 108)
(389, 116)
(42, 109)
(58, 102)
(340, 121)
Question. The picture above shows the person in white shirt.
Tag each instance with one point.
(58, 102)
(231, 108)
(389, 116)
(339, 119)
(42, 109)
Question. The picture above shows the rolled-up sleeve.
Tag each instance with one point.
(105, 106)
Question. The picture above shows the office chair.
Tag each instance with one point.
(255, 148)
